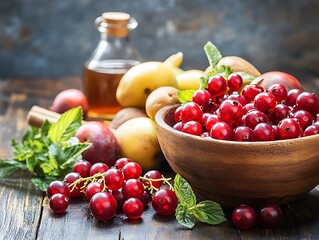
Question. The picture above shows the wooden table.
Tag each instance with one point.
(24, 211)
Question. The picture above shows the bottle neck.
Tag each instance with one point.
(113, 39)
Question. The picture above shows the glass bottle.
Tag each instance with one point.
(110, 61)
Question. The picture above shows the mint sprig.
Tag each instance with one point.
(188, 211)
(212, 53)
(48, 152)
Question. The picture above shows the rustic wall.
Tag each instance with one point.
(54, 38)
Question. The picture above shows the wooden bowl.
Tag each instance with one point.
(233, 173)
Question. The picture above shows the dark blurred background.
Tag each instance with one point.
(54, 38)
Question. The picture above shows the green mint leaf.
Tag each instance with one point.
(31, 163)
(203, 83)
(225, 71)
(72, 154)
(209, 212)
(185, 96)
(42, 183)
(183, 217)
(47, 168)
(21, 153)
(213, 54)
(184, 191)
(247, 78)
(66, 126)
(9, 166)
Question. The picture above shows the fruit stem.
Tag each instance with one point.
(98, 177)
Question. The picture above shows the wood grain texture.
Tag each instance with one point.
(25, 214)
(21, 208)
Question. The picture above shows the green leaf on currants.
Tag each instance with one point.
(247, 78)
(185, 96)
(225, 71)
(48, 152)
(187, 211)
(212, 53)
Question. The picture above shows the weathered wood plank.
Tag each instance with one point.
(20, 208)
(78, 221)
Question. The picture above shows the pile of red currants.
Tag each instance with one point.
(226, 110)
(109, 190)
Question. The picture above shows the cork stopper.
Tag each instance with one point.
(116, 24)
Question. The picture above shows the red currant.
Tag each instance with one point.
(58, 187)
(82, 167)
(153, 174)
(253, 117)
(308, 101)
(211, 120)
(304, 118)
(132, 170)
(280, 112)
(133, 208)
(58, 203)
(165, 202)
(133, 188)
(114, 178)
(235, 96)
(98, 168)
(243, 134)
(177, 114)
(103, 206)
(145, 199)
(93, 188)
(264, 101)
(279, 91)
(202, 98)
(311, 130)
(263, 132)
(193, 128)
(248, 107)
(120, 199)
(191, 112)
(235, 82)
(178, 126)
(230, 111)
(250, 91)
(221, 131)
(289, 128)
(121, 162)
(217, 86)
(244, 217)
(270, 215)
(75, 191)
(292, 96)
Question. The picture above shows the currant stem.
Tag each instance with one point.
(98, 177)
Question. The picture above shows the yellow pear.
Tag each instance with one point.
(189, 79)
(139, 81)
(138, 141)
(159, 98)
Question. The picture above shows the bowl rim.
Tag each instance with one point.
(159, 120)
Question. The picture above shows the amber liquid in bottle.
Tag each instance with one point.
(100, 81)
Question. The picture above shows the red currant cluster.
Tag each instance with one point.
(109, 190)
(226, 110)
(245, 217)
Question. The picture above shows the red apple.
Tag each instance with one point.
(104, 146)
(68, 99)
(269, 78)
